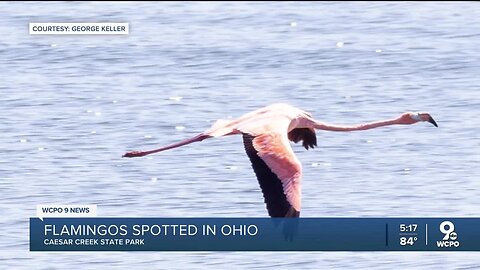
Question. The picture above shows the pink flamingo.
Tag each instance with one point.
(266, 134)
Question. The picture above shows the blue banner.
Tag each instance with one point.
(255, 234)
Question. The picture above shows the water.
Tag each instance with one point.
(72, 105)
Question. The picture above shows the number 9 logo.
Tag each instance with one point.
(447, 232)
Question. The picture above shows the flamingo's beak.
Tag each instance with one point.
(430, 119)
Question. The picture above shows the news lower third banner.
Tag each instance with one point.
(254, 234)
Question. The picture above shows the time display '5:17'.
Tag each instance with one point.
(408, 227)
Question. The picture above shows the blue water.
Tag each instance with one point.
(72, 105)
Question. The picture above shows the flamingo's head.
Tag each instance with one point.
(414, 117)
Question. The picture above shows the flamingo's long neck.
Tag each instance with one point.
(331, 127)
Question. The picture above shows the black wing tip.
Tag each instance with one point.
(308, 145)
(306, 135)
(292, 213)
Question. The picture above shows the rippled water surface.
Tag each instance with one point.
(72, 105)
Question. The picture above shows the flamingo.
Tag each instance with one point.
(266, 135)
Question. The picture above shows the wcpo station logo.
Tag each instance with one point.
(450, 236)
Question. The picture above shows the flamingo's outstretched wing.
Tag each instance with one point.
(278, 171)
